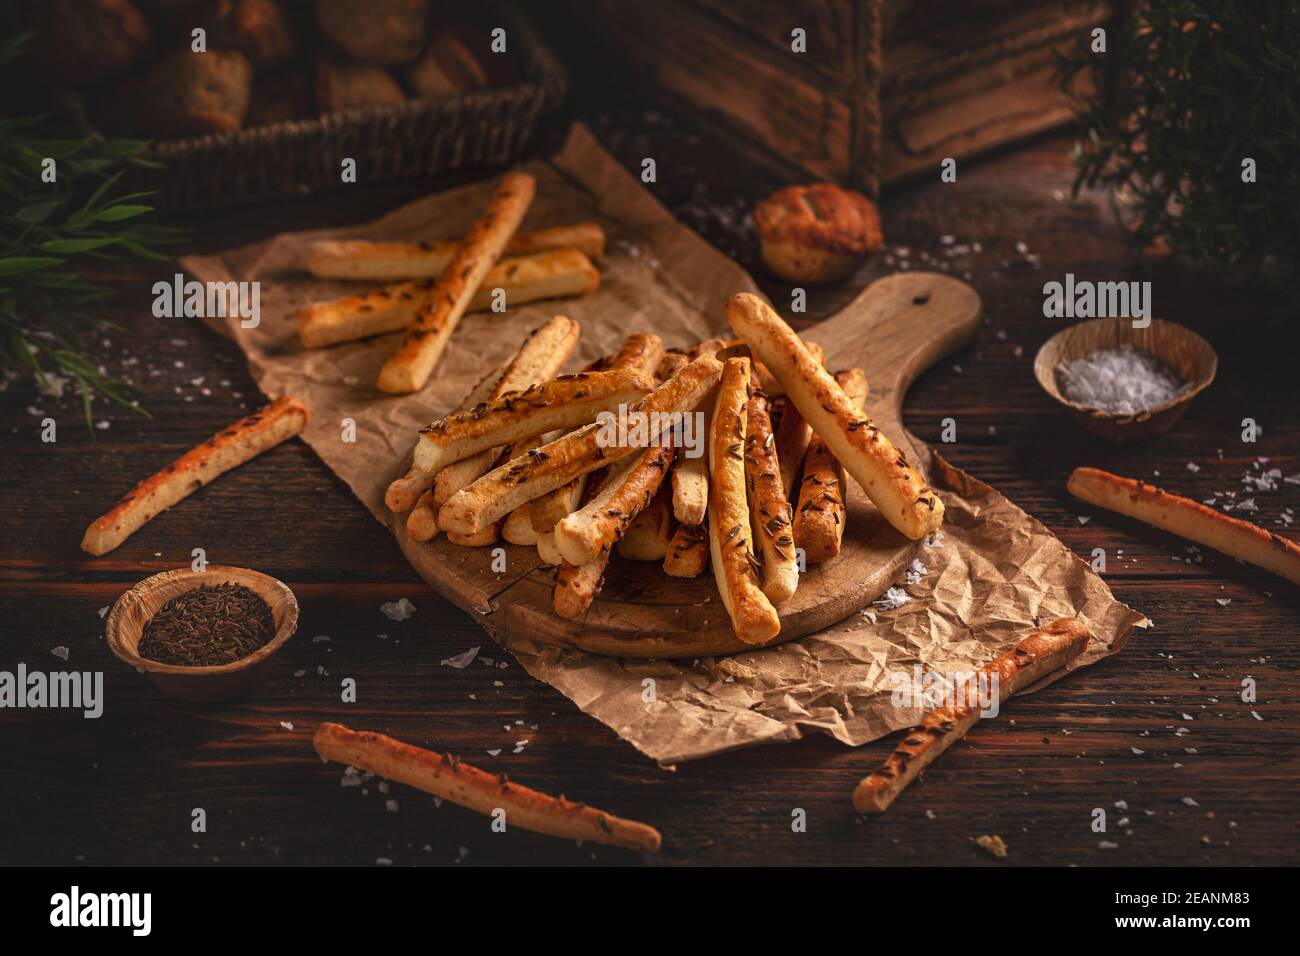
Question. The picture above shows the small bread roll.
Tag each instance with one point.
(258, 29)
(79, 43)
(816, 233)
(347, 85)
(446, 69)
(378, 32)
(186, 94)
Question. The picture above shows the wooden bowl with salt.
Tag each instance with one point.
(1181, 349)
(201, 684)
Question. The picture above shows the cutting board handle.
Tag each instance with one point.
(906, 322)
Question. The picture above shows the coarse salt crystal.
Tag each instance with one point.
(1124, 380)
(891, 599)
(462, 660)
(398, 610)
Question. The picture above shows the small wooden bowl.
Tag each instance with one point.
(1181, 349)
(200, 684)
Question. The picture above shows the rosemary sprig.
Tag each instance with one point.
(1188, 89)
(49, 230)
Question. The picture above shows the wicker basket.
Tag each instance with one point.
(299, 158)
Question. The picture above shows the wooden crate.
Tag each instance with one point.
(886, 89)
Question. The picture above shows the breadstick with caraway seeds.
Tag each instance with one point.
(1034, 657)
(229, 448)
(452, 779)
(884, 472)
(753, 618)
(769, 507)
(409, 367)
(1188, 519)
(820, 512)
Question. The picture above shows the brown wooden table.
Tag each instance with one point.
(1141, 735)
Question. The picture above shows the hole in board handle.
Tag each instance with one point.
(921, 299)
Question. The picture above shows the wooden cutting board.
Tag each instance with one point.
(894, 330)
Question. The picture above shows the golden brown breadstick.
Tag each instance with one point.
(820, 512)
(884, 473)
(229, 448)
(539, 358)
(518, 527)
(688, 551)
(406, 491)
(391, 308)
(576, 585)
(409, 367)
(499, 491)
(452, 779)
(422, 519)
(1036, 656)
(792, 438)
(647, 537)
(763, 378)
(753, 618)
(769, 508)
(593, 529)
(1188, 519)
(564, 402)
(363, 259)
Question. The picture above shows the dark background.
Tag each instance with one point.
(121, 789)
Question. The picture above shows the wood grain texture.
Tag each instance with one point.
(119, 790)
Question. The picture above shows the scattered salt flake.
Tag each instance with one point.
(299, 673)
(1083, 519)
(1255, 714)
(390, 806)
(931, 815)
(103, 610)
(1136, 751)
(1190, 802)
(891, 599)
(870, 615)
(1223, 602)
(1193, 467)
(1121, 804)
(320, 639)
(287, 725)
(461, 660)
(383, 861)
(993, 845)
(495, 753)
(1107, 845)
(60, 652)
(916, 571)
(398, 610)
(103, 424)
(1187, 717)
(934, 540)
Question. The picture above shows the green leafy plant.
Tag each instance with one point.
(1187, 92)
(50, 230)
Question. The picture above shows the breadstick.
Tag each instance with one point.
(688, 551)
(672, 363)
(763, 377)
(501, 490)
(769, 508)
(647, 537)
(518, 527)
(792, 438)
(539, 358)
(546, 549)
(422, 520)
(563, 402)
(643, 352)
(405, 492)
(691, 473)
(391, 308)
(409, 367)
(229, 448)
(592, 530)
(576, 586)
(452, 779)
(753, 618)
(1189, 519)
(820, 512)
(884, 473)
(363, 259)
(1036, 656)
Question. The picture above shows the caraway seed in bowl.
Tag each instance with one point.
(207, 626)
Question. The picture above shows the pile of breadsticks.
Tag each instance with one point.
(527, 457)
(433, 284)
